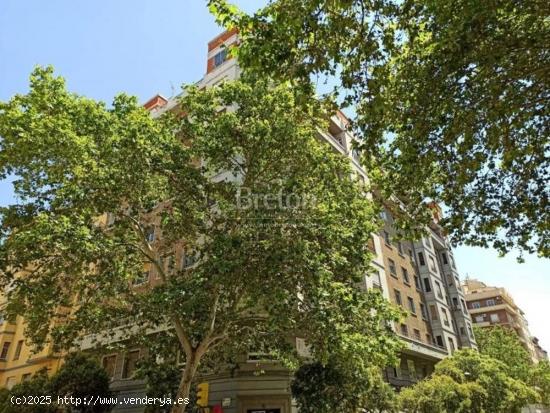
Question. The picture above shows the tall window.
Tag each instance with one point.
(397, 297)
(417, 283)
(432, 264)
(444, 258)
(5, 350)
(400, 247)
(109, 365)
(427, 286)
(412, 307)
(18, 350)
(130, 364)
(387, 238)
(433, 312)
(421, 259)
(438, 289)
(475, 304)
(405, 275)
(490, 302)
(391, 264)
(451, 344)
(404, 330)
(220, 57)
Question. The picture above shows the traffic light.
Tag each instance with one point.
(202, 394)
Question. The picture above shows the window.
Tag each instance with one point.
(404, 330)
(421, 259)
(26, 377)
(18, 350)
(463, 303)
(5, 350)
(495, 318)
(387, 238)
(423, 311)
(417, 334)
(470, 332)
(475, 304)
(433, 312)
(432, 264)
(439, 341)
(220, 57)
(397, 297)
(412, 369)
(109, 365)
(130, 364)
(405, 275)
(417, 283)
(393, 270)
(412, 307)
(462, 331)
(490, 302)
(399, 247)
(455, 303)
(427, 286)
(410, 254)
(445, 317)
(480, 319)
(429, 339)
(397, 371)
(444, 258)
(438, 289)
(451, 344)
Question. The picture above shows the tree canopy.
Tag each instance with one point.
(503, 344)
(449, 99)
(224, 226)
(468, 382)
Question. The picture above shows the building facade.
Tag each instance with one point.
(422, 279)
(494, 306)
(18, 360)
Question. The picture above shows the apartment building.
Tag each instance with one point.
(423, 280)
(490, 306)
(18, 360)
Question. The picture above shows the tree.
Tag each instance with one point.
(337, 386)
(82, 377)
(448, 96)
(540, 380)
(38, 386)
(468, 382)
(503, 344)
(250, 229)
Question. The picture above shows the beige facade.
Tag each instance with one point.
(490, 306)
(18, 360)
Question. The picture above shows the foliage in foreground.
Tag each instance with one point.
(449, 97)
(503, 344)
(468, 382)
(231, 228)
(336, 386)
(80, 376)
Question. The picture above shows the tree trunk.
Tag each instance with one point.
(184, 388)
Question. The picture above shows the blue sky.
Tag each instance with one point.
(104, 47)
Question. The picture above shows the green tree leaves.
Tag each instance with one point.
(448, 100)
(108, 193)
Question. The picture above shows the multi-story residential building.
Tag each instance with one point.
(422, 278)
(541, 353)
(18, 360)
(490, 306)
